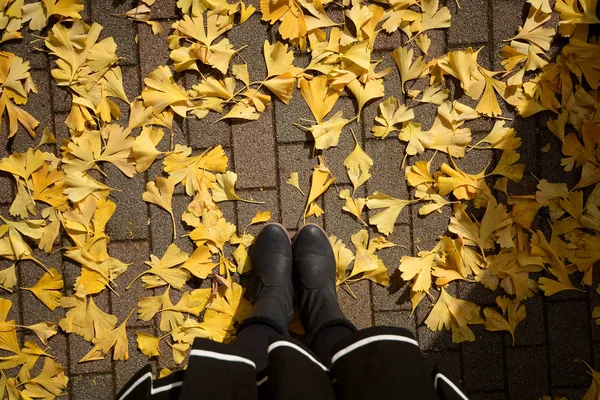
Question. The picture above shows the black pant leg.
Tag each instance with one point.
(324, 341)
(254, 340)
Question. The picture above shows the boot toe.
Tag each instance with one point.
(314, 260)
(272, 255)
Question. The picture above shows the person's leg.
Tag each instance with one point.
(254, 340)
(273, 303)
(323, 342)
(314, 275)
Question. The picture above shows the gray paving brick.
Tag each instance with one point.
(531, 331)
(389, 41)
(551, 169)
(388, 176)
(295, 112)
(164, 9)
(469, 23)
(488, 396)
(295, 158)
(396, 296)
(568, 326)
(508, 16)
(153, 49)
(124, 371)
(79, 348)
(7, 183)
(570, 393)
(121, 29)
(61, 97)
(447, 361)
(135, 253)
(483, 362)
(527, 370)
(89, 387)
(254, 156)
(38, 105)
(34, 310)
(337, 222)
(357, 310)
(246, 211)
(206, 132)
(474, 291)
(161, 227)
(251, 33)
(166, 356)
(335, 156)
(427, 229)
(130, 219)
(400, 319)
(36, 58)
(429, 340)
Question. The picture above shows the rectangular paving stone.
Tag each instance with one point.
(337, 222)
(124, 371)
(396, 296)
(488, 396)
(571, 393)
(161, 227)
(388, 176)
(508, 17)
(121, 29)
(7, 184)
(469, 23)
(296, 112)
(78, 348)
(475, 290)
(430, 340)
(447, 361)
(428, 228)
(130, 219)
(61, 97)
(392, 86)
(255, 157)
(295, 158)
(136, 253)
(89, 387)
(39, 106)
(551, 170)
(531, 331)
(164, 9)
(36, 58)
(153, 49)
(357, 310)
(527, 371)
(399, 319)
(483, 364)
(246, 211)
(335, 156)
(207, 132)
(568, 339)
(251, 33)
(389, 41)
(34, 310)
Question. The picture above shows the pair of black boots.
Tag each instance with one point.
(305, 267)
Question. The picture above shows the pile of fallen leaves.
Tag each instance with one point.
(68, 196)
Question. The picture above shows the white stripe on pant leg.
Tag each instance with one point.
(275, 345)
(439, 376)
(147, 375)
(164, 388)
(221, 356)
(372, 339)
(263, 380)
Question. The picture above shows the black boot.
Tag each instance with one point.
(314, 279)
(272, 267)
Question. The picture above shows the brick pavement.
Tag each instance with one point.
(263, 153)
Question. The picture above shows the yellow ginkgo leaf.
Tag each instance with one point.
(161, 194)
(148, 344)
(318, 95)
(200, 262)
(115, 339)
(357, 165)
(455, 314)
(162, 271)
(260, 217)
(373, 89)
(47, 289)
(8, 278)
(354, 206)
(224, 189)
(514, 311)
(293, 181)
(403, 57)
(391, 113)
(43, 330)
(161, 92)
(144, 147)
(343, 258)
(319, 184)
(386, 219)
